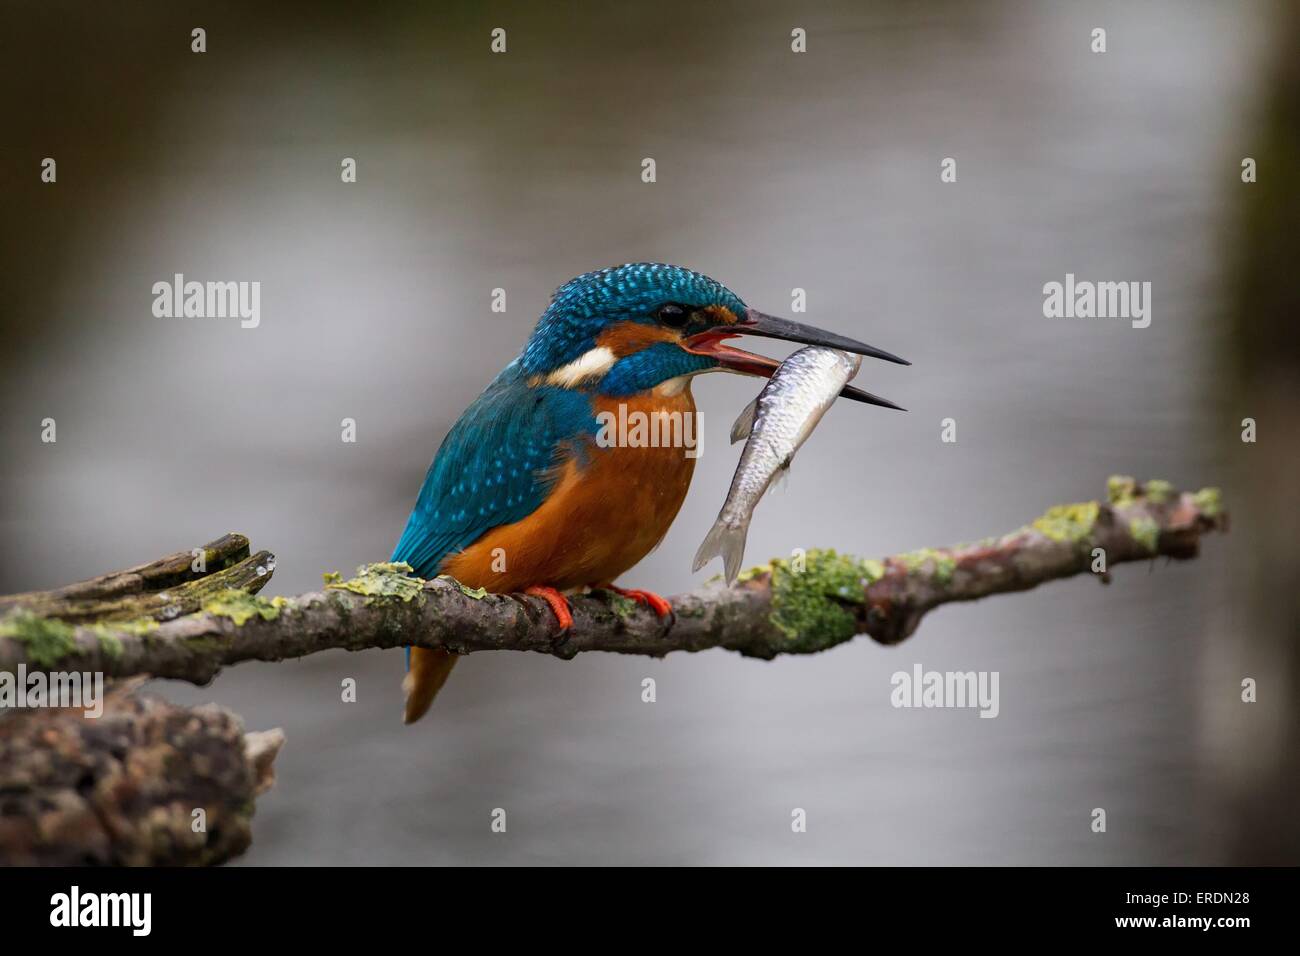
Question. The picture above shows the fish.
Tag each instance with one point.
(776, 424)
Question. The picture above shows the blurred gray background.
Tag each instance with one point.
(775, 171)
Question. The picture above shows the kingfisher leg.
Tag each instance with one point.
(654, 602)
(559, 604)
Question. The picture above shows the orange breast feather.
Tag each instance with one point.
(601, 518)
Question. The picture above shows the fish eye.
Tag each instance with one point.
(673, 315)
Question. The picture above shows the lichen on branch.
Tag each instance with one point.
(799, 605)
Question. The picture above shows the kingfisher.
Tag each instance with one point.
(523, 497)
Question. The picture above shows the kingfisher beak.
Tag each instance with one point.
(769, 326)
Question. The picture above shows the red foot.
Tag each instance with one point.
(557, 602)
(651, 600)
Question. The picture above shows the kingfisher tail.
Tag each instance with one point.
(427, 672)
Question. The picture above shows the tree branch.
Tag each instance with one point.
(162, 589)
(795, 606)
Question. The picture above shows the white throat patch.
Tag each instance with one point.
(592, 364)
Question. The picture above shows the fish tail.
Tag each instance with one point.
(726, 542)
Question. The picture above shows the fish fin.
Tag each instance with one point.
(724, 542)
(744, 423)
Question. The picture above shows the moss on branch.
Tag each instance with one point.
(804, 604)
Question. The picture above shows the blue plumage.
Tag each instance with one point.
(645, 369)
(493, 466)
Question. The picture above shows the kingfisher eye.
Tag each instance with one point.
(673, 315)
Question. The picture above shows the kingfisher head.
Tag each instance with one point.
(634, 327)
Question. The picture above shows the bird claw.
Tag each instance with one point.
(558, 602)
(654, 602)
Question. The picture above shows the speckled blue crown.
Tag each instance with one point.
(583, 306)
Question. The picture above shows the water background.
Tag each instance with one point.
(775, 171)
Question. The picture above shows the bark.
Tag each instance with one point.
(789, 606)
(123, 788)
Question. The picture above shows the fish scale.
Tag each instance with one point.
(777, 423)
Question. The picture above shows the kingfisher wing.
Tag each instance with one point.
(495, 467)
